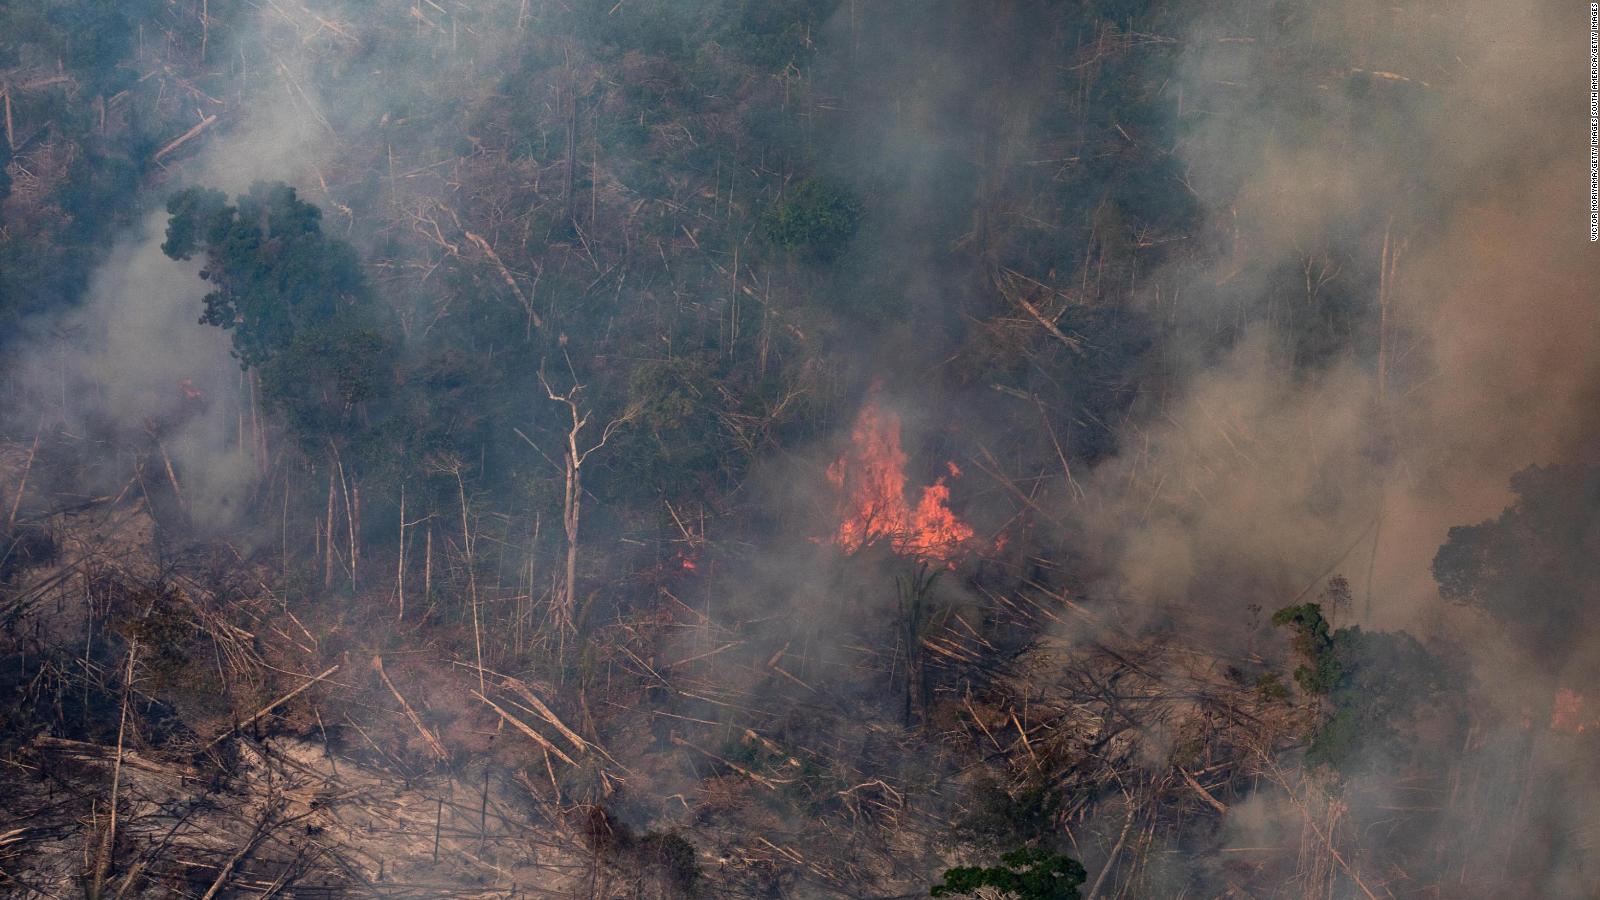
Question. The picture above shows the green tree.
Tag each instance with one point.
(295, 301)
(90, 37)
(814, 218)
(1030, 873)
(1536, 567)
(1373, 681)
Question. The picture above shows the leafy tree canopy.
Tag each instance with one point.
(90, 37)
(1373, 681)
(815, 218)
(1030, 873)
(295, 300)
(1536, 567)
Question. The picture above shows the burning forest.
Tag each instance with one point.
(871, 480)
(796, 449)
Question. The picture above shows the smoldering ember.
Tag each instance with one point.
(797, 449)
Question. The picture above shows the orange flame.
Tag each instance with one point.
(1567, 714)
(871, 475)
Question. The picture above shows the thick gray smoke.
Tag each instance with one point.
(134, 358)
(1437, 152)
(1409, 176)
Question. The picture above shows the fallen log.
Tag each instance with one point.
(80, 750)
(187, 136)
(268, 708)
(523, 727)
(428, 737)
(505, 274)
(1205, 795)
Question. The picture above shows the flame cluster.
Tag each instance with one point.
(873, 507)
(1567, 713)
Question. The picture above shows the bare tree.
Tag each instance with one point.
(573, 456)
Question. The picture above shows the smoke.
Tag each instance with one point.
(132, 360)
(1389, 314)
(1243, 487)
(1409, 180)
(131, 357)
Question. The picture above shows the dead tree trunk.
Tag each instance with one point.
(574, 454)
(916, 618)
(571, 508)
(572, 153)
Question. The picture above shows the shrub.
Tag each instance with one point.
(814, 218)
(1026, 874)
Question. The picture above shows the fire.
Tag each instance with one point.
(685, 560)
(871, 477)
(1567, 715)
